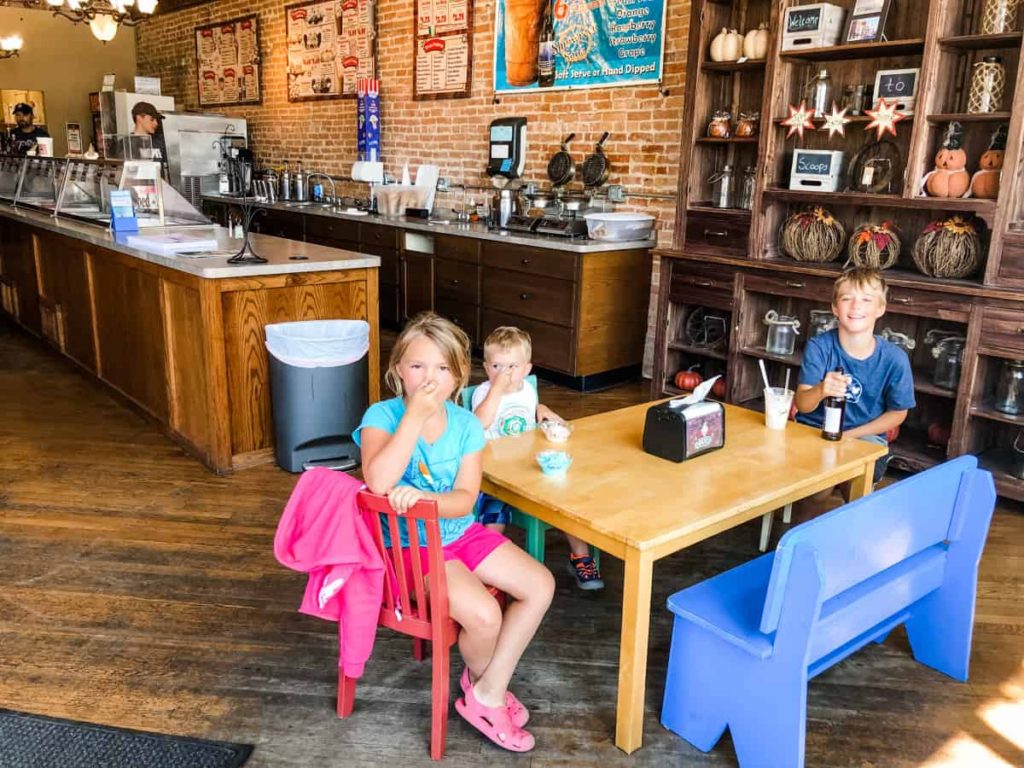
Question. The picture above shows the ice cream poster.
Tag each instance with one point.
(562, 44)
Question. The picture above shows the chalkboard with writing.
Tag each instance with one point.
(803, 20)
(896, 84)
(814, 163)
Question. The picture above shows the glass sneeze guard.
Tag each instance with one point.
(41, 182)
(85, 192)
(10, 175)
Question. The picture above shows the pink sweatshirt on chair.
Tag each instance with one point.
(322, 533)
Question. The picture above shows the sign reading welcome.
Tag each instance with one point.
(596, 43)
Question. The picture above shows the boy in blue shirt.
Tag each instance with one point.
(877, 381)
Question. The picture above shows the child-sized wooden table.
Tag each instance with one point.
(640, 508)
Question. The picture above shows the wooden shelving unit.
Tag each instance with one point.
(731, 259)
(855, 52)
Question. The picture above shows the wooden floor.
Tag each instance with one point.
(137, 589)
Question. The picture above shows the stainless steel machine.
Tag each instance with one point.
(195, 145)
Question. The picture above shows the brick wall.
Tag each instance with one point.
(644, 123)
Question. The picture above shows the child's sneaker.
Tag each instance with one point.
(585, 570)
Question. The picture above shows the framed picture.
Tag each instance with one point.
(330, 46)
(228, 62)
(866, 23)
(10, 98)
(73, 134)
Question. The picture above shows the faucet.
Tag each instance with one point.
(333, 200)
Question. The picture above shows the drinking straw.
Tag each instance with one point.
(787, 379)
(764, 374)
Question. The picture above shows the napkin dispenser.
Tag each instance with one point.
(681, 429)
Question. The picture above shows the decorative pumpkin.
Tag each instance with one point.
(985, 182)
(893, 433)
(949, 248)
(755, 44)
(813, 235)
(688, 379)
(949, 178)
(938, 434)
(727, 45)
(719, 387)
(874, 245)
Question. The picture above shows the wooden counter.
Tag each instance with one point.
(186, 349)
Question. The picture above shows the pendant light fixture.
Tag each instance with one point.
(10, 45)
(104, 16)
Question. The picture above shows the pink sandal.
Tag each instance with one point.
(517, 711)
(494, 723)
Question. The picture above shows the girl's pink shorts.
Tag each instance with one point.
(471, 549)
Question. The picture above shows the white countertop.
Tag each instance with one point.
(279, 252)
(476, 230)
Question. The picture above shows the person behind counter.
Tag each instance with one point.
(25, 135)
(148, 122)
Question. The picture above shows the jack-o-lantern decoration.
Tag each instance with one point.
(949, 177)
(985, 182)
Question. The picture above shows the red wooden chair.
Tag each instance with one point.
(423, 605)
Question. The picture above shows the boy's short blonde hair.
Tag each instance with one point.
(865, 278)
(507, 338)
(450, 339)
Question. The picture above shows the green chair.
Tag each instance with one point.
(535, 529)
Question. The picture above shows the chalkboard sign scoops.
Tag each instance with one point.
(816, 170)
(811, 26)
(897, 86)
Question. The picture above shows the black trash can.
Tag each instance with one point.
(319, 385)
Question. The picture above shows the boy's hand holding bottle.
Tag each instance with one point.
(835, 384)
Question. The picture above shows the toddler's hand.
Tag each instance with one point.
(424, 401)
(402, 497)
(835, 384)
(502, 382)
(546, 414)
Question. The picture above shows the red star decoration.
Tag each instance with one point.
(799, 120)
(883, 118)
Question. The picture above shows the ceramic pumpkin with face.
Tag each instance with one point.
(985, 182)
(949, 178)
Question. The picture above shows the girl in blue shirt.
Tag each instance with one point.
(420, 445)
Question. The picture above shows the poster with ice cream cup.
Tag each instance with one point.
(330, 46)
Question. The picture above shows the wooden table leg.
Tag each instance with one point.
(861, 486)
(636, 619)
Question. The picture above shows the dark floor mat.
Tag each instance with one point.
(35, 741)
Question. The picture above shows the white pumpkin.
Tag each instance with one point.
(727, 45)
(755, 44)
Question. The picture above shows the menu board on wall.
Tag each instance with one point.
(594, 43)
(228, 62)
(444, 49)
(331, 45)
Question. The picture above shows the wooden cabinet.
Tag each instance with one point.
(417, 283)
(64, 297)
(286, 224)
(18, 283)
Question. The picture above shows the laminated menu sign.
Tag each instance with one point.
(593, 43)
(228, 62)
(444, 48)
(331, 46)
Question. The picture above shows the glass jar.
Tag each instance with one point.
(722, 188)
(782, 333)
(746, 196)
(855, 98)
(720, 125)
(999, 16)
(901, 340)
(819, 93)
(987, 85)
(822, 321)
(949, 357)
(748, 124)
(1010, 388)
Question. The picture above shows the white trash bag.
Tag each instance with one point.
(319, 343)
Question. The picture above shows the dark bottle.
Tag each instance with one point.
(546, 52)
(835, 410)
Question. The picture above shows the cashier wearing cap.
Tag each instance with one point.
(148, 123)
(24, 136)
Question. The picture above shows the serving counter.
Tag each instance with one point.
(181, 337)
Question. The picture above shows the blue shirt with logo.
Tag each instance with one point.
(882, 382)
(433, 466)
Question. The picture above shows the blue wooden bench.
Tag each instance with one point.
(746, 642)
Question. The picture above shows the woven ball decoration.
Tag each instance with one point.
(813, 235)
(949, 248)
(874, 245)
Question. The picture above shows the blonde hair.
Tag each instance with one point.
(864, 278)
(508, 337)
(449, 338)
